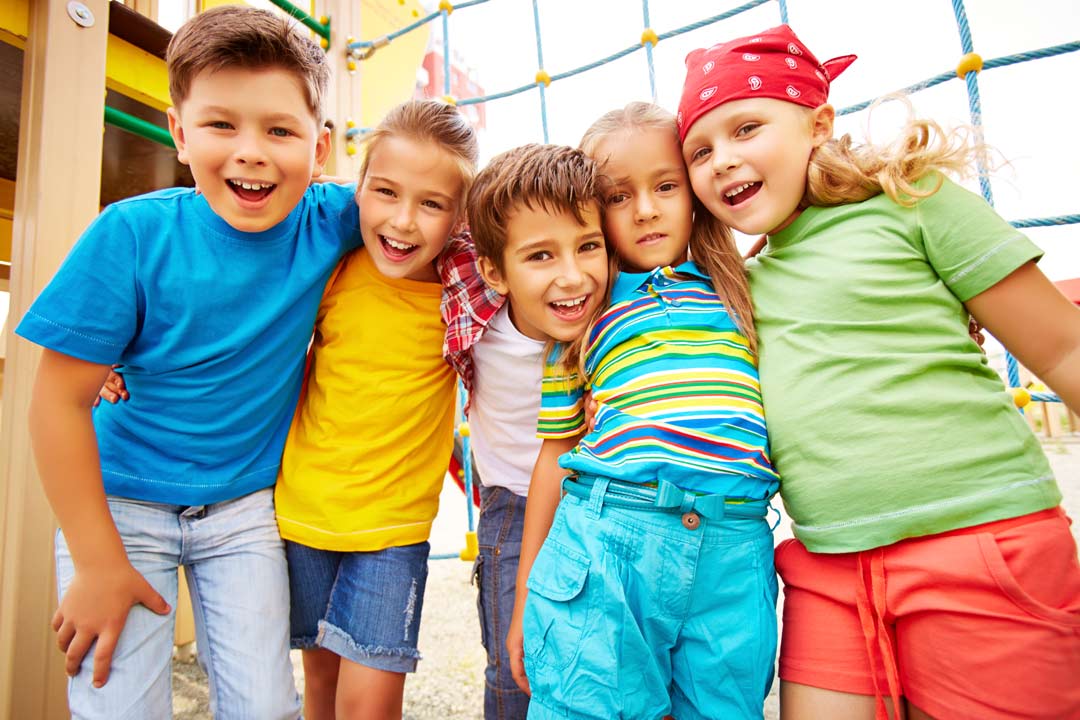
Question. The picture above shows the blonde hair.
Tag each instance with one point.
(232, 36)
(429, 121)
(841, 172)
(712, 244)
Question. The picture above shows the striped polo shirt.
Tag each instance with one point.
(676, 387)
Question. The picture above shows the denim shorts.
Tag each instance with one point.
(363, 606)
(637, 614)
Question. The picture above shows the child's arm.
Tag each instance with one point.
(1038, 325)
(545, 491)
(105, 585)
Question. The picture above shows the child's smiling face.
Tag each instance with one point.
(648, 204)
(554, 272)
(748, 158)
(251, 142)
(410, 200)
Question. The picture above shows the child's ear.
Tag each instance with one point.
(176, 129)
(821, 124)
(322, 152)
(492, 276)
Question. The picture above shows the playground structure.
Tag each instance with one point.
(117, 51)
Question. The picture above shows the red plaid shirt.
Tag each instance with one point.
(468, 304)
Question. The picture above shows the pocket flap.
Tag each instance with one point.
(558, 573)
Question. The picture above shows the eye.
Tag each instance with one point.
(280, 132)
(383, 191)
(433, 204)
(667, 187)
(219, 125)
(700, 154)
(539, 256)
(747, 128)
(618, 198)
(590, 246)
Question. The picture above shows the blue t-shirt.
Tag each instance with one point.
(211, 327)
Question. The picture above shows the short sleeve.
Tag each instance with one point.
(969, 245)
(91, 308)
(337, 204)
(562, 401)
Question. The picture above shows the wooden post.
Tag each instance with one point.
(56, 196)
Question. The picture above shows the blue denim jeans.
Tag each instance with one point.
(235, 565)
(502, 518)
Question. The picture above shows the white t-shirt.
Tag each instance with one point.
(505, 404)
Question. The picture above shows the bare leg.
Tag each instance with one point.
(802, 702)
(320, 683)
(914, 713)
(365, 693)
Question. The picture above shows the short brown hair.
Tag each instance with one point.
(432, 121)
(243, 37)
(553, 178)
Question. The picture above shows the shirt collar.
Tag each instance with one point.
(627, 282)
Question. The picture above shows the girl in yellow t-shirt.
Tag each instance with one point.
(372, 436)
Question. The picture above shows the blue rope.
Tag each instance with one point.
(783, 12)
(649, 52)
(361, 44)
(446, 51)
(540, 66)
(1046, 221)
(714, 19)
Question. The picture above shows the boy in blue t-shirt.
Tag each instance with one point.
(206, 299)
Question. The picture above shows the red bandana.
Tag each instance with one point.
(771, 64)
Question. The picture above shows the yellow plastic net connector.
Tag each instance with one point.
(350, 149)
(323, 19)
(463, 429)
(461, 473)
(649, 36)
(350, 124)
(543, 77)
(351, 66)
(446, 6)
(451, 100)
(1021, 397)
(416, 13)
(324, 43)
(472, 547)
(972, 62)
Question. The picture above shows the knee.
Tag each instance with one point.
(320, 672)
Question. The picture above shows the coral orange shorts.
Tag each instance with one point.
(982, 622)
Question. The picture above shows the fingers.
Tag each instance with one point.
(76, 651)
(103, 654)
(64, 635)
(153, 601)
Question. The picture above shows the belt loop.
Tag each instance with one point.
(770, 509)
(596, 497)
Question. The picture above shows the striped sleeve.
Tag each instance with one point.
(562, 402)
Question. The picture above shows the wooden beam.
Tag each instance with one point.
(56, 196)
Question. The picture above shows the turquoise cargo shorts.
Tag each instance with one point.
(640, 613)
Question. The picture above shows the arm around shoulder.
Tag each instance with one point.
(1037, 324)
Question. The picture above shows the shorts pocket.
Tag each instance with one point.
(478, 573)
(557, 608)
(1010, 584)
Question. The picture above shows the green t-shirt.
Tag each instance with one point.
(884, 418)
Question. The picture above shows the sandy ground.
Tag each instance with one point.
(449, 682)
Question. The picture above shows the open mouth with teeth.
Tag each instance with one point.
(248, 191)
(396, 249)
(742, 193)
(570, 309)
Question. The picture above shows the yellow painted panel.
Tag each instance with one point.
(7, 205)
(136, 73)
(389, 76)
(14, 21)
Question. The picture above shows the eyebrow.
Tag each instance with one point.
(667, 170)
(274, 118)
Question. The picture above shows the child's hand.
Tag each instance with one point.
(975, 331)
(591, 407)
(113, 390)
(515, 648)
(96, 607)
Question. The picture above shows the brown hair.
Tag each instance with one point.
(841, 172)
(243, 37)
(552, 178)
(712, 245)
(429, 121)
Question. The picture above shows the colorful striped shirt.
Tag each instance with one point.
(677, 390)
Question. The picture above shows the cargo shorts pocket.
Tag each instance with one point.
(557, 610)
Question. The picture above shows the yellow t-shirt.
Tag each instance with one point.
(371, 439)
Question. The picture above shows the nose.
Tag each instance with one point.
(724, 159)
(644, 208)
(404, 218)
(570, 274)
(249, 149)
